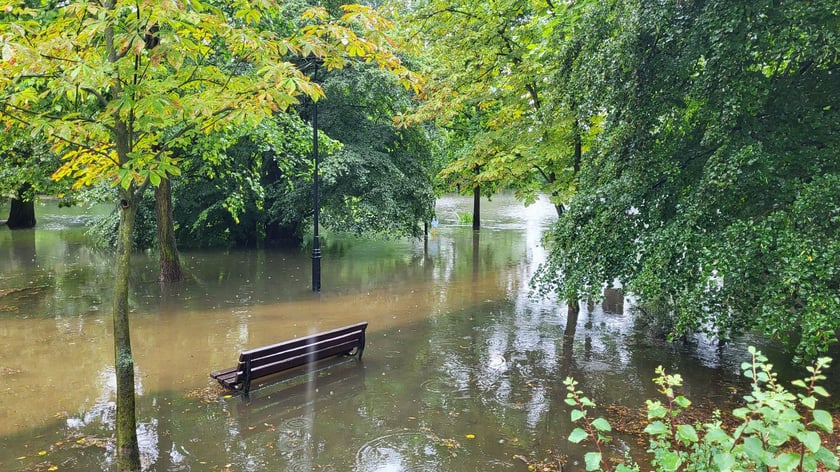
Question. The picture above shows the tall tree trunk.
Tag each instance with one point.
(170, 263)
(477, 207)
(21, 212)
(128, 451)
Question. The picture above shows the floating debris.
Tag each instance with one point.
(9, 370)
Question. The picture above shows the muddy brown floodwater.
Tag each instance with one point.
(463, 368)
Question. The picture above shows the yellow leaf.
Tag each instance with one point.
(470, 436)
(42, 453)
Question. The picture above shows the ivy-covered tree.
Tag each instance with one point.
(117, 87)
(714, 189)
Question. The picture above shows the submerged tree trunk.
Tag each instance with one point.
(170, 263)
(128, 451)
(477, 207)
(22, 211)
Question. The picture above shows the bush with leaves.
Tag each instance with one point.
(777, 430)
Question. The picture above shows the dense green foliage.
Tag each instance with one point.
(714, 187)
(25, 160)
(777, 429)
(508, 118)
(25, 165)
(253, 186)
(380, 180)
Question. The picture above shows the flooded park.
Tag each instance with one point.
(462, 370)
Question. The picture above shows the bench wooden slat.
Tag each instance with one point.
(262, 369)
(261, 362)
(313, 349)
(293, 343)
(226, 378)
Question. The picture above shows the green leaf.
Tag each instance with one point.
(682, 401)
(669, 461)
(821, 391)
(592, 460)
(577, 414)
(827, 458)
(577, 435)
(718, 435)
(657, 428)
(687, 433)
(823, 420)
(601, 425)
(740, 413)
(126, 178)
(154, 178)
(787, 461)
(724, 461)
(754, 449)
(810, 439)
(656, 410)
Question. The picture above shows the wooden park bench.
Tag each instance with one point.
(269, 360)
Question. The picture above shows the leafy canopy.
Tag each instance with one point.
(116, 86)
(506, 99)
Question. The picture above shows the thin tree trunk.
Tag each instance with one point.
(476, 207)
(170, 263)
(128, 452)
(21, 212)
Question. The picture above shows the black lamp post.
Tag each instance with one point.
(316, 243)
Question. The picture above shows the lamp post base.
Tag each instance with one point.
(316, 265)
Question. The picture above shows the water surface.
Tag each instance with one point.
(463, 369)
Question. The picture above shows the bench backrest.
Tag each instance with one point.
(280, 357)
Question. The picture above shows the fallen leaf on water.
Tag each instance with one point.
(21, 458)
(42, 453)
(471, 436)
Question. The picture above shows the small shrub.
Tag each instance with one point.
(778, 430)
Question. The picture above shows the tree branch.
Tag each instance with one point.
(99, 97)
